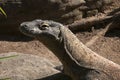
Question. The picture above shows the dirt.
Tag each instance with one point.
(107, 46)
(24, 44)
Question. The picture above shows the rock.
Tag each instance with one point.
(26, 67)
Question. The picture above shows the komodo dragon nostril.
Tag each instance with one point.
(23, 27)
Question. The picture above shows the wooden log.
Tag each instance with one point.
(86, 23)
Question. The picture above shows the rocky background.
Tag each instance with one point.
(64, 11)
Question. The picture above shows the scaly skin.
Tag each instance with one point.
(79, 62)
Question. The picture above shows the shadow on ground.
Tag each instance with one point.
(113, 33)
(58, 76)
(15, 38)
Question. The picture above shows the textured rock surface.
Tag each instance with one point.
(25, 67)
(65, 11)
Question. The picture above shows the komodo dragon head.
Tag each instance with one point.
(79, 62)
(39, 28)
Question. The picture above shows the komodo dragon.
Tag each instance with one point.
(79, 62)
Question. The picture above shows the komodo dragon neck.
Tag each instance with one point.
(72, 52)
(85, 57)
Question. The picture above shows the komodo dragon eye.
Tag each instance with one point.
(43, 26)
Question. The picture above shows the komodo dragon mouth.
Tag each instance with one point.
(79, 62)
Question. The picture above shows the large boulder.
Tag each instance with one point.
(18, 66)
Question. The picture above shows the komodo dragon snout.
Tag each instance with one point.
(79, 62)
